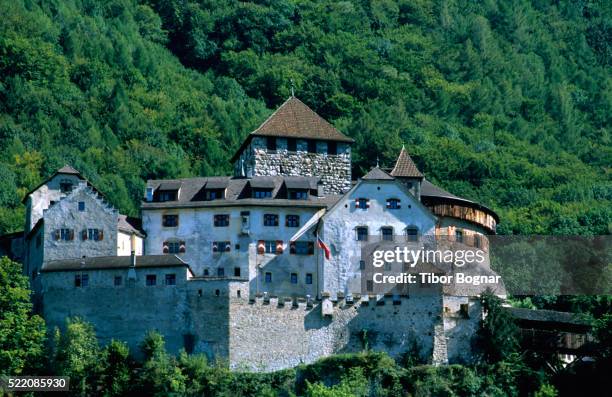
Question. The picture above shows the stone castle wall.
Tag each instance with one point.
(217, 318)
(334, 170)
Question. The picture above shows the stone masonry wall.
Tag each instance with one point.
(334, 170)
(266, 337)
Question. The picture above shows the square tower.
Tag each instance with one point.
(295, 141)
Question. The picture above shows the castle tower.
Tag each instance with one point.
(407, 172)
(295, 141)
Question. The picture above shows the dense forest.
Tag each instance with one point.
(509, 103)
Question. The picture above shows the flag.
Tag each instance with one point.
(324, 247)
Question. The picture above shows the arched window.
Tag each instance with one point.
(412, 234)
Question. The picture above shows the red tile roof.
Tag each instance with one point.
(405, 167)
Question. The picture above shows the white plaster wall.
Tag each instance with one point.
(124, 244)
(40, 199)
(341, 273)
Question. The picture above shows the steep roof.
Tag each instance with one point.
(66, 169)
(294, 119)
(238, 192)
(378, 175)
(405, 167)
(112, 262)
(129, 225)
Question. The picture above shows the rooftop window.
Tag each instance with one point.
(262, 193)
(298, 194)
(167, 195)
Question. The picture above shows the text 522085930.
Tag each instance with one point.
(34, 383)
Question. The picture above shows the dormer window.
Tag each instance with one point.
(298, 194)
(66, 185)
(362, 233)
(387, 233)
(213, 194)
(262, 193)
(168, 195)
(393, 204)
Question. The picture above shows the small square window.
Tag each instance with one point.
(362, 203)
(170, 279)
(459, 236)
(387, 233)
(270, 220)
(361, 265)
(268, 277)
(369, 285)
(81, 206)
(118, 281)
(294, 278)
(393, 204)
(292, 221)
(221, 220)
(262, 193)
(308, 278)
(301, 248)
(270, 247)
(220, 272)
(151, 280)
(77, 280)
(236, 272)
(170, 220)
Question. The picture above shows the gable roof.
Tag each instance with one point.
(66, 169)
(405, 167)
(294, 119)
(377, 174)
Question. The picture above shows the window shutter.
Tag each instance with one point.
(71, 234)
(292, 249)
(261, 247)
(388, 203)
(367, 203)
(356, 203)
(56, 234)
(215, 247)
(182, 247)
(84, 234)
(228, 246)
(279, 246)
(165, 248)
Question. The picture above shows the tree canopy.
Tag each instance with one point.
(507, 103)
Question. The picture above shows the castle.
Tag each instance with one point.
(232, 267)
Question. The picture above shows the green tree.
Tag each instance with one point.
(22, 334)
(160, 374)
(76, 354)
(115, 369)
(498, 336)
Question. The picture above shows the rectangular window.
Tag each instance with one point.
(387, 233)
(220, 272)
(293, 278)
(312, 146)
(81, 206)
(292, 221)
(298, 194)
(291, 144)
(117, 281)
(170, 279)
(308, 278)
(66, 234)
(270, 220)
(236, 272)
(172, 247)
(459, 236)
(221, 220)
(268, 278)
(221, 246)
(270, 247)
(93, 234)
(65, 185)
(412, 234)
(361, 265)
(393, 204)
(213, 194)
(170, 220)
(477, 242)
(271, 143)
(332, 147)
(77, 280)
(302, 248)
(84, 280)
(362, 233)
(167, 195)
(151, 280)
(370, 285)
(262, 193)
(362, 203)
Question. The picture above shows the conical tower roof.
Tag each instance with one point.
(405, 167)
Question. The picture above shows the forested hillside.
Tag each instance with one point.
(509, 103)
